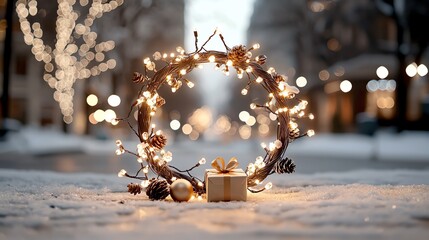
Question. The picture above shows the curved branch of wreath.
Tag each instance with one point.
(281, 102)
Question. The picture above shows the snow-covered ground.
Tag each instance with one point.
(351, 205)
(384, 146)
(343, 197)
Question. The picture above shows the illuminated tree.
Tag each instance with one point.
(76, 53)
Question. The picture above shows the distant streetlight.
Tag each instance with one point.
(346, 86)
(175, 124)
(422, 70)
(114, 100)
(92, 100)
(413, 70)
(382, 72)
(301, 81)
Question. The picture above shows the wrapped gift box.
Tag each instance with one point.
(231, 186)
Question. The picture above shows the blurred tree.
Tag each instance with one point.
(139, 29)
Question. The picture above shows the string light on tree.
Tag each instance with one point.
(281, 106)
(76, 54)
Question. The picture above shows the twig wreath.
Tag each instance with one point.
(151, 155)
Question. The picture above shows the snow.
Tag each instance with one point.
(408, 146)
(364, 204)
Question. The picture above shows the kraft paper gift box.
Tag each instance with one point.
(231, 186)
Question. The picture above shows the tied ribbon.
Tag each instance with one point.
(219, 164)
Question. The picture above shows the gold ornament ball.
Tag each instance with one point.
(181, 190)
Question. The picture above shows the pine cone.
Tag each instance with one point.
(293, 133)
(262, 59)
(279, 78)
(238, 54)
(177, 84)
(285, 165)
(134, 188)
(158, 189)
(138, 77)
(158, 141)
(160, 101)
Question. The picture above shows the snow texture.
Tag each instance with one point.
(362, 204)
(384, 146)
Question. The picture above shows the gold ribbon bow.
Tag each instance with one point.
(219, 164)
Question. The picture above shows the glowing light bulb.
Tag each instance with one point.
(212, 58)
(310, 133)
(145, 135)
(145, 183)
(120, 151)
(244, 92)
(259, 79)
(229, 63)
(256, 46)
(252, 106)
(118, 142)
(196, 56)
(202, 161)
(122, 173)
(268, 186)
(278, 144)
(190, 84)
(183, 71)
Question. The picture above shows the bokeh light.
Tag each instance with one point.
(187, 129)
(411, 70)
(382, 72)
(301, 81)
(114, 100)
(92, 100)
(346, 86)
(422, 70)
(245, 132)
(243, 116)
(175, 124)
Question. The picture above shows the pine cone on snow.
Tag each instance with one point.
(238, 54)
(285, 165)
(158, 189)
(134, 188)
(158, 141)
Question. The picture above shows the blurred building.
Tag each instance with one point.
(337, 46)
(138, 28)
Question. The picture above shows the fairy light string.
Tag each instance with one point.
(281, 101)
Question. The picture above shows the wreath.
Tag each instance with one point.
(150, 153)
